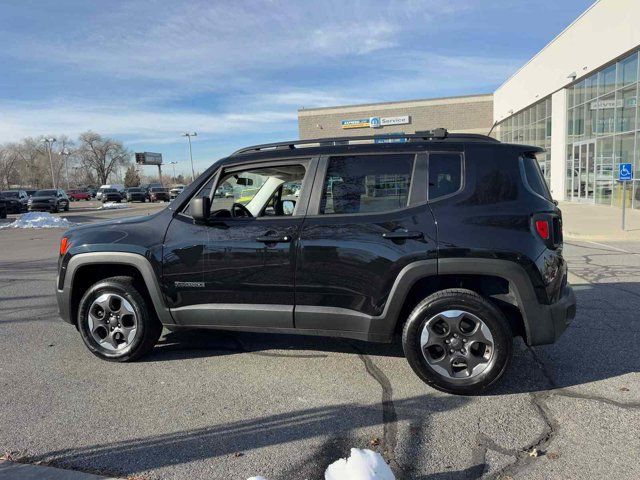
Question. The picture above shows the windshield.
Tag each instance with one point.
(10, 194)
(158, 190)
(135, 189)
(109, 190)
(45, 193)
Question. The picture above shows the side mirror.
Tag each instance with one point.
(288, 206)
(200, 208)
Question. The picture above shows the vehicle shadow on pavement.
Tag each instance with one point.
(207, 343)
(338, 423)
(598, 345)
(595, 347)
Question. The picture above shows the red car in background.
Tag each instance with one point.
(78, 195)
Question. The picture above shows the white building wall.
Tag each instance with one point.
(607, 30)
(558, 144)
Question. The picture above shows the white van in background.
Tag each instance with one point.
(118, 186)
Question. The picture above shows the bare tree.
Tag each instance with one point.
(8, 159)
(101, 155)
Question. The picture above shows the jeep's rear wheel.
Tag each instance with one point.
(115, 322)
(457, 341)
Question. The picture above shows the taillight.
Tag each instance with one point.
(548, 226)
(542, 227)
(65, 244)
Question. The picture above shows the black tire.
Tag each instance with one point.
(469, 301)
(55, 209)
(66, 207)
(3, 213)
(149, 327)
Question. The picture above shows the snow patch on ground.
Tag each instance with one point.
(361, 465)
(38, 220)
(113, 206)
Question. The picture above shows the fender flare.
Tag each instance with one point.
(135, 260)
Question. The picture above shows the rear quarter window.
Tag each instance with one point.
(533, 176)
(445, 174)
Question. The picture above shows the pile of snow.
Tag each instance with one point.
(361, 465)
(113, 205)
(38, 220)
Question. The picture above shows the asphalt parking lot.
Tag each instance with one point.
(227, 405)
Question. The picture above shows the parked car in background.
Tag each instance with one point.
(175, 191)
(224, 191)
(110, 195)
(118, 187)
(92, 191)
(149, 186)
(3, 207)
(52, 200)
(18, 200)
(159, 194)
(77, 194)
(136, 194)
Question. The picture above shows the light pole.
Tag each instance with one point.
(49, 141)
(173, 164)
(65, 152)
(189, 135)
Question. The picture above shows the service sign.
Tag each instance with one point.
(376, 122)
(403, 120)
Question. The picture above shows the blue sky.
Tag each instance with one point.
(237, 71)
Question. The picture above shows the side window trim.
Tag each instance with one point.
(420, 196)
(462, 174)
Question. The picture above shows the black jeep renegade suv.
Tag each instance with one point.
(451, 240)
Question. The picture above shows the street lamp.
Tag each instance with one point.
(65, 152)
(189, 135)
(49, 141)
(173, 164)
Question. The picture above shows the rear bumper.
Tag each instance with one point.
(548, 322)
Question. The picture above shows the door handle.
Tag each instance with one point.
(273, 239)
(403, 235)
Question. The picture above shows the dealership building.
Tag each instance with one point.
(577, 98)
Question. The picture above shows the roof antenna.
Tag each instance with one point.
(492, 127)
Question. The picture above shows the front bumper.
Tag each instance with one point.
(548, 322)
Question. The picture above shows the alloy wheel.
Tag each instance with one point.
(112, 322)
(457, 344)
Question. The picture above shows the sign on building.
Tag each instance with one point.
(376, 122)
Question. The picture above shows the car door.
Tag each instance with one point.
(237, 270)
(368, 218)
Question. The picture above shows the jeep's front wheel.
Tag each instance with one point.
(457, 341)
(115, 322)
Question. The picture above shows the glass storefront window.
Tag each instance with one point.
(626, 103)
(578, 94)
(628, 70)
(531, 126)
(607, 80)
(606, 114)
(578, 122)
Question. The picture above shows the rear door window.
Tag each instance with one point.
(367, 184)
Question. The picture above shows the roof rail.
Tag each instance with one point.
(421, 136)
